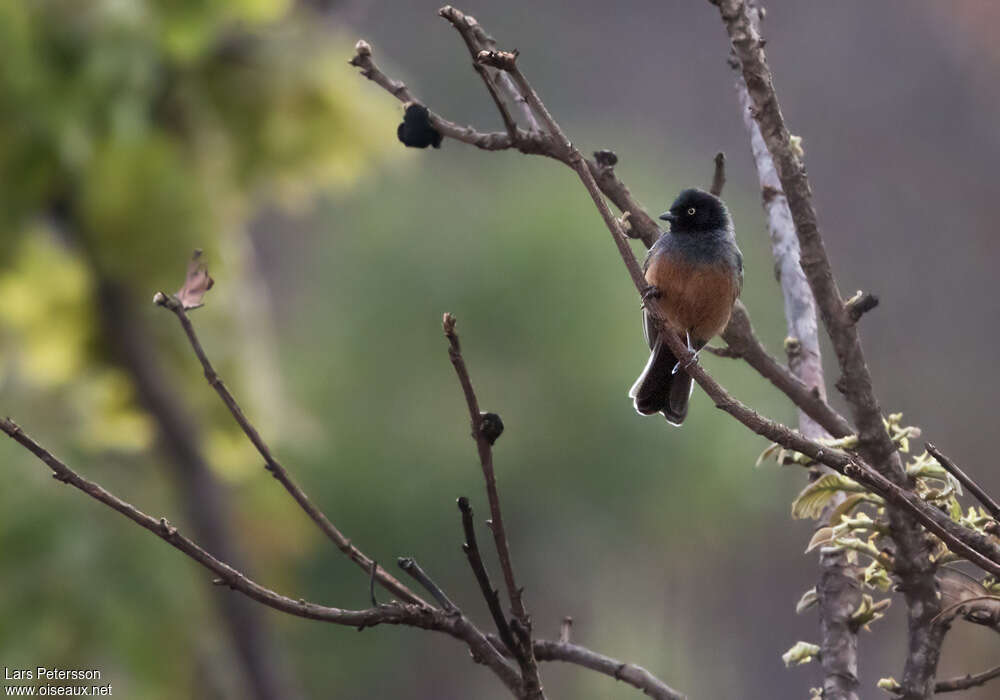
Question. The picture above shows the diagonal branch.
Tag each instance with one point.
(387, 580)
(743, 342)
(413, 615)
(410, 566)
(966, 481)
(967, 681)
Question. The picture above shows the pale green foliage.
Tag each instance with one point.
(869, 611)
(817, 494)
(876, 576)
(801, 653)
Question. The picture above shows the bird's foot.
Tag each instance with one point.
(689, 361)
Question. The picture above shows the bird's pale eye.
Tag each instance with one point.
(691, 211)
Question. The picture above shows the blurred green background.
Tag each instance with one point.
(133, 132)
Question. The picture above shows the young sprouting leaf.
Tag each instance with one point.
(196, 283)
(955, 509)
(808, 599)
(822, 536)
(801, 653)
(815, 497)
(869, 611)
(769, 452)
(877, 577)
(890, 685)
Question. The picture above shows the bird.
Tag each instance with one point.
(694, 275)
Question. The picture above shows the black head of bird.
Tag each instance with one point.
(696, 211)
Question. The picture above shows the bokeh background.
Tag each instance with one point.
(132, 132)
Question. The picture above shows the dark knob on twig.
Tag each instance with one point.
(491, 426)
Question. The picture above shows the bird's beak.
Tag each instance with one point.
(667, 216)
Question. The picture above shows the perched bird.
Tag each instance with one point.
(695, 274)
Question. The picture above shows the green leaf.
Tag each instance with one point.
(815, 497)
(877, 577)
(801, 653)
(869, 611)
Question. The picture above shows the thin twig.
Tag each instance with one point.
(967, 681)
(477, 41)
(633, 675)
(410, 566)
(386, 579)
(490, 594)
(719, 174)
(413, 615)
(965, 480)
(566, 629)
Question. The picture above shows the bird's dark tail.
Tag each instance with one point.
(659, 390)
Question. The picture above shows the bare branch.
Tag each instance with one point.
(635, 676)
(413, 615)
(478, 41)
(967, 681)
(471, 549)
(386, 579)
(410, 566)
(525, 656)
(966, 481)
